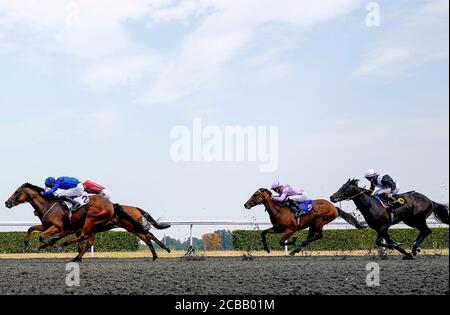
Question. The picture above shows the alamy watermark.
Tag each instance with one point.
(373, 277)
(211, 143)
(72, 14)
(73, 277)
(373, 17)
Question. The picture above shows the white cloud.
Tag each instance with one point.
(102, 124)
(227, 29)
(120, 71)
(109, 58)
(274, 72)
(420, 36)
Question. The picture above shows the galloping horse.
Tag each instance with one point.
(98, 216)
(284, 220)
(414, 213)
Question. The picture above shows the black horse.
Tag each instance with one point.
(414, 213)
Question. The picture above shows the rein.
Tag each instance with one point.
(46, 212)
(358, 194)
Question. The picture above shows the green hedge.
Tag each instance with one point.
(12, 242)
(341, 239)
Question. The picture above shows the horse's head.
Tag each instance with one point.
(258, 198)
(349, 190)
(22, 195)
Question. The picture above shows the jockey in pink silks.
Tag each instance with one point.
(286, 193)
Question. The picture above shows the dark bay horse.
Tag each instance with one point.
(98, 216)
(414, 214)
(284, 220)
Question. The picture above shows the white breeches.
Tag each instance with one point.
(105, 193)
(387, 191)
(299, 198)
(71, 193)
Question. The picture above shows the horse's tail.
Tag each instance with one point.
(156, 224)
(441, 212)
(351, 219)
(139, 226)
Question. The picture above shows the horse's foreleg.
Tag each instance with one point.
(26, 241)
(47, 233)
(264, 239)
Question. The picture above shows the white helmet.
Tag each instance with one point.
(370, 173)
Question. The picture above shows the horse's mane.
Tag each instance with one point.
(265, 190)
(34, 187)
(39, 190)
(354, 182)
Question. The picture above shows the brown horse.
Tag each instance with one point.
(98, 216)
(284, 220)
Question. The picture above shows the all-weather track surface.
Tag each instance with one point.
(228, 276)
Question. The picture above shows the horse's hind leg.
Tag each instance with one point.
(89, 242)
(425, 231)
(148, 240)
(286, 236)
(315, 233)
(157, 241)
(391, 244)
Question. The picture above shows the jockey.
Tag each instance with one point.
(387, 187)
(65, 188)
(93, 188)
(288, 193)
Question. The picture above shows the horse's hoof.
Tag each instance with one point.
(76, 259)
(408, 257)
(154, 258)
(415, 251)
(168, 250)
(293, 253)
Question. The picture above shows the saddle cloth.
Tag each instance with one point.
(82, 200)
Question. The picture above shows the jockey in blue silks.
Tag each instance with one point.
(65, 188)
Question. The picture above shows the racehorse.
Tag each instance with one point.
(284, 220)
(98, 216)
(414, 213)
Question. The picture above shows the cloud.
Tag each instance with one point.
(420, 36)
(101, 124)
(120, 71)
(274, 72)
(107, 56)
(226, 30)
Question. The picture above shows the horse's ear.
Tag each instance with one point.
(349, 181)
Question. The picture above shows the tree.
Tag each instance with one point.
(211, 241)
(226, 239)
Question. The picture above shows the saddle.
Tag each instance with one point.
(397, 202)
(80, 202)
(302, 208)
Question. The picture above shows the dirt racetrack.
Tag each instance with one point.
(230, 276)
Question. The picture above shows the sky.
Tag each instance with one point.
(93, 90)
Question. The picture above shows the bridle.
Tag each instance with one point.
(358, 194)
(31, 198)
